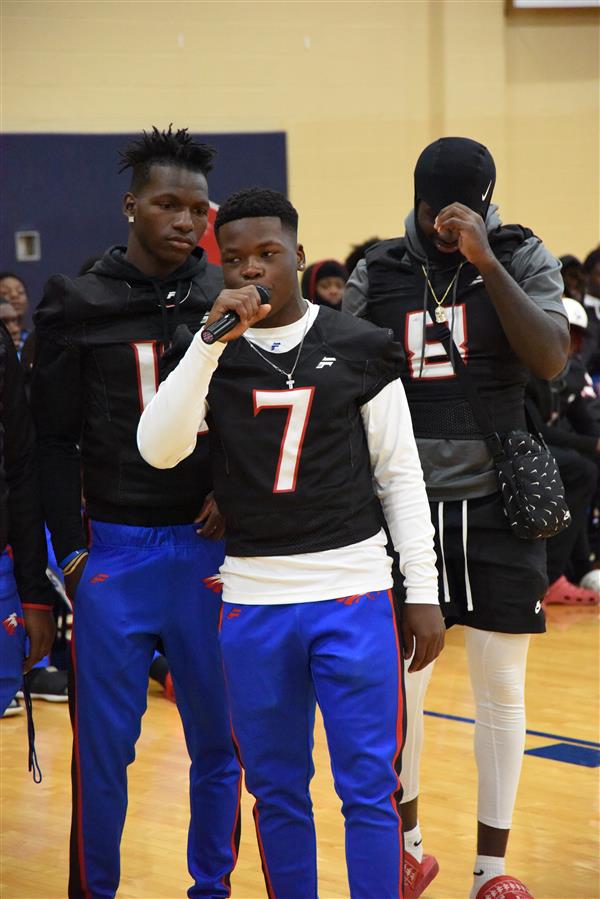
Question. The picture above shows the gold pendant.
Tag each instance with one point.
(440, 315)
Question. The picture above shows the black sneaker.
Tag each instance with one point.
(14, 707)
(47, 683)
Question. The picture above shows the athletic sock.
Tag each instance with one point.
(486, 867)
(413, 842)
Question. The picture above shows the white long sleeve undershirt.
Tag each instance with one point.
(167, 434)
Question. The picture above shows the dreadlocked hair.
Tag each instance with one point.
(257, 202)
(165, 148)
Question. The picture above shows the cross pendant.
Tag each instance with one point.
(440, 315)
(290, 383)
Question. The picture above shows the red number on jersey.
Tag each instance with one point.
(435, 362)
(298, 403)
(146, 361)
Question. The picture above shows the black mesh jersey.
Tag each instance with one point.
(291, 468)
(397, 297)
(104, 341)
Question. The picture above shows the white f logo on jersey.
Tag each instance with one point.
(326, 361)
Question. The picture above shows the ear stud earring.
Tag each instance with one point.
(131, 219)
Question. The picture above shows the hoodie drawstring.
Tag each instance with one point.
(167, 335)
(424, 334)
(177, 305)
(454, 293)
(163, 312)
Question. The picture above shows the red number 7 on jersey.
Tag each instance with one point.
(298, 403)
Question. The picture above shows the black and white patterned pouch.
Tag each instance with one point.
(532, 490)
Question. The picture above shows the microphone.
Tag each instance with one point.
(227, 322)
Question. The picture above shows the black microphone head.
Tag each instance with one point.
(264, 293)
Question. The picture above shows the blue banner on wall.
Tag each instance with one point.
(67, 188)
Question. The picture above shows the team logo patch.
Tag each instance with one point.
(12, 622)
(99, 578)
(326, 361)
(538, 606)
(213, 583)
(355, 598)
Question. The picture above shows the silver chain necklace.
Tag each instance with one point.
(288, 375)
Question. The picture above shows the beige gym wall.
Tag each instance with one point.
(359, 87)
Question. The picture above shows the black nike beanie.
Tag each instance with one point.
(455, 170)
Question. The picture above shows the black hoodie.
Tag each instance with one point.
(21, 522)
(104, 341)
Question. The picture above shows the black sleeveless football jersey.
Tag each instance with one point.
(104, 341)
(398, 299)
(291, 467)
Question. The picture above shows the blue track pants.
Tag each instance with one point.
(139, 584)
(12, 634)
(344, 654)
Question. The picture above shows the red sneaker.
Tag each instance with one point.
(169, 688)
(504, 887)
(563, 593)
(417, 877)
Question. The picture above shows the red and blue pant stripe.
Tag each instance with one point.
(280, 661)
(140, 584)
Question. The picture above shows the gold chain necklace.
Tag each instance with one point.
(440, 312)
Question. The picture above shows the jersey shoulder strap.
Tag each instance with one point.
(354, 339)
(506, 240)
(390, 253)
(393, 254)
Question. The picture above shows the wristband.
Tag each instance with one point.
(71, 562)
(71, 556)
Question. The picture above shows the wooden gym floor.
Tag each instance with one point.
(554, 845)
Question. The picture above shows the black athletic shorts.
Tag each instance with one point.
(499, 582)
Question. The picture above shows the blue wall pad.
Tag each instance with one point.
(67, 187)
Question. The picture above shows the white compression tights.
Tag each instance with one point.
(497, 664)
(415, 686)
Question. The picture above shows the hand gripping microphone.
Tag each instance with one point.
(228, 321)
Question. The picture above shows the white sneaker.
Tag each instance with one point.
(14, 707)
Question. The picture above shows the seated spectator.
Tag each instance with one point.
(573, 277)
(590, 352)
(323, 283)
(562, 415)
(11, 323)
(13, 289)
